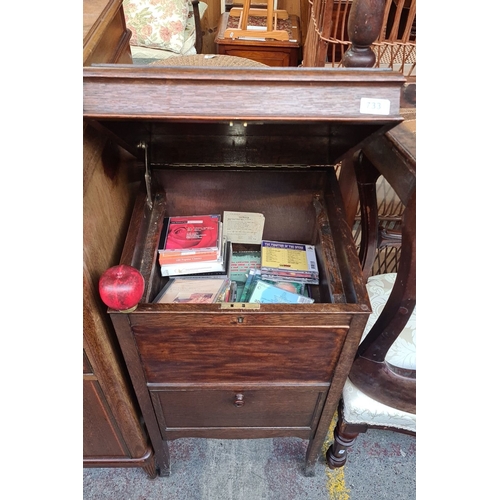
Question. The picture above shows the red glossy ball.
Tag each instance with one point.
(121, 287)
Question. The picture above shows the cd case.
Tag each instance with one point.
(192, 290)
(266, 293)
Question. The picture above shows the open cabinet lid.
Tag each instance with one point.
(345, 106)
(218, 93)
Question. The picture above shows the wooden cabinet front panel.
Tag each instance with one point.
(201, 353)
(100, 434)
(258, 409)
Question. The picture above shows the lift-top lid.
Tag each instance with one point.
(295, 106)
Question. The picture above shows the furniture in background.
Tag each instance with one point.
(299, 8)
(380, 392)
(165, 28)
(105, 34)
(267, 51)
(269, 29)
(211, 60)
(113, 433)
(338, 31)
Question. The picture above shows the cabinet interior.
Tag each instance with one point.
(286, 171)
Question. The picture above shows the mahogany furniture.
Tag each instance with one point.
(263, 140)
(381, 389)
(269, 52)
(113, 434)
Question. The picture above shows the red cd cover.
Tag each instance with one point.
(192, 232)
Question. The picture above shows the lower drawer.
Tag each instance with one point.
(238, 412)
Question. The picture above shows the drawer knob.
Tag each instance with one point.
(238, 400)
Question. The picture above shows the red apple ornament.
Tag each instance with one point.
(121, 287)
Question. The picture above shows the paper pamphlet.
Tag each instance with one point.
(243, 227)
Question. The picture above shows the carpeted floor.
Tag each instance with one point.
(381, 465)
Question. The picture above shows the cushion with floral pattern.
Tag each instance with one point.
(158, 24)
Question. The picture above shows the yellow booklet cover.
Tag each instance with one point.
(288, 256)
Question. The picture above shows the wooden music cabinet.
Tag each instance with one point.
(209, 140)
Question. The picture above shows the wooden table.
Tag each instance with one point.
(269, 52)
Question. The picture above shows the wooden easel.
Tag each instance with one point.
(271, 30)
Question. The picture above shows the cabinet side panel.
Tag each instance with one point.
(106, 210)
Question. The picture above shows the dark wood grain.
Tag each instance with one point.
(259, 94)
(370, 371)
(247, 140)
(274, 408)
(236, 354)
(341, 372)
(129, 351)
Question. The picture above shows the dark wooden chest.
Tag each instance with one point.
(256, 140)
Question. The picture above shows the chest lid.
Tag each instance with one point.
(241, 116)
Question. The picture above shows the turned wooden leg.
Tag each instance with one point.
(336, 455)
(363, 28)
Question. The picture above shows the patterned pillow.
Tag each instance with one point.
(158, 24)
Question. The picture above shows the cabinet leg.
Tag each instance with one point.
(150, 468)
(310, 469)
(164, 472)
(311, 458)
(163, 460)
